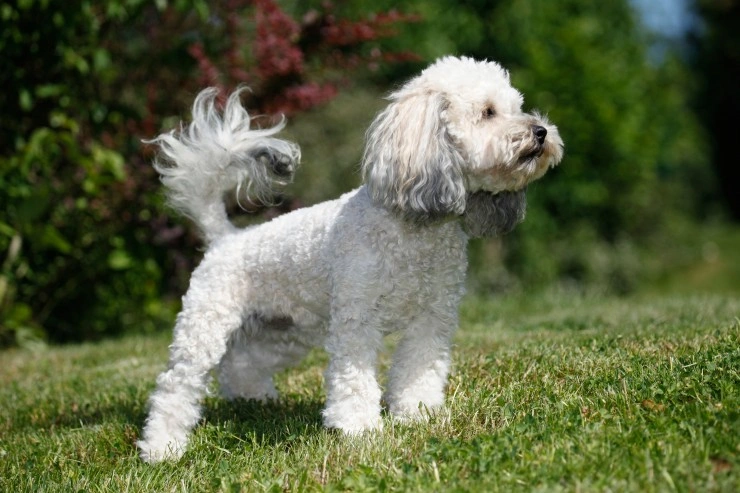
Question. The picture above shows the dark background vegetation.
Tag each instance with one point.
(643, 199)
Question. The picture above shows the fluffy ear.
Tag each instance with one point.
(410, 164)
(487, 214)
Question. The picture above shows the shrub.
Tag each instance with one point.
(88, 250)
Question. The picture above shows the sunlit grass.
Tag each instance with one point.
(549, 392)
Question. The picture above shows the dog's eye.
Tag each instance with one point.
(489, 113)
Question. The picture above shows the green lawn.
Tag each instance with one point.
(550, 392)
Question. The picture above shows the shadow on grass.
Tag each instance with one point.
(271, 423)
(231, 426)
(67, 414)
(229, 422)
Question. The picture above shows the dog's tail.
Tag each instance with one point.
(218, 153)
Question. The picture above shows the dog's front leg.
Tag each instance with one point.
(418, 375)
(352, 391)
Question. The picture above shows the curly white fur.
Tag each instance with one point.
(218, 152)
(449, 158)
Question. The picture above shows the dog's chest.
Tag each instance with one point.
(420, 270)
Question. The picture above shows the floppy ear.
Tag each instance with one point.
(487, 214)
(410, 164)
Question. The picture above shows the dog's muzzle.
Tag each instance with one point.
(539, 133)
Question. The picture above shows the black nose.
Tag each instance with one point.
(540, 133)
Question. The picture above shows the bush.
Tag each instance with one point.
(89, 250)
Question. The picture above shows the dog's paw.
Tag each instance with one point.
(414, 408)
(351, 420)
(356, 428)
(153, 452)
(410, 414)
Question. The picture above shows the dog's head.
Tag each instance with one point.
(454, 141)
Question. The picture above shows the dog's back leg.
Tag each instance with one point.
(255, 353)
(207, 320)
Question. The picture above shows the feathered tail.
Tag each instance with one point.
(217, 153)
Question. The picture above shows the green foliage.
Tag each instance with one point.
(88, 249)
(71, 263)
(77, 209)
(548, 393)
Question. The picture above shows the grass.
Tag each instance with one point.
(550, 392)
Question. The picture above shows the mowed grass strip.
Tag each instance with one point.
(549, 392)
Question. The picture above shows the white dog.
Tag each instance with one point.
(449, 158)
